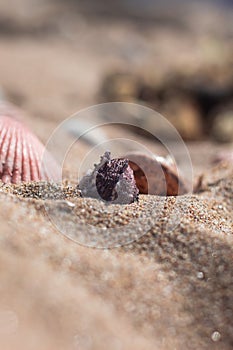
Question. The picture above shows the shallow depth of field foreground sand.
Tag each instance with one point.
(171, 289)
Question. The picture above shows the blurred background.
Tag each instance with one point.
(57, 57)
(171, 290)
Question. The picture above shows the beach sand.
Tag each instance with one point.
(163, 278)
(169, 288)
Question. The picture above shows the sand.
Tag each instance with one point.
(166, 281)
(171, 288)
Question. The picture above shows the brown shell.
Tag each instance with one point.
(155, 175)
(21, 153)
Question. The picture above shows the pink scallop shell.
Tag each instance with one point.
(22, 155)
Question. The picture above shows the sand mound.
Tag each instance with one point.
(171, 288)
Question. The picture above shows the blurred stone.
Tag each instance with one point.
(222, 129)
(120, 87)
(187, 97)
(185, 116)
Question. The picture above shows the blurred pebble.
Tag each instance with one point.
(70, 204)
(200, 275)
(222, 129)
(215, 336)
(188, 99)
(185, 116)
(120, 87)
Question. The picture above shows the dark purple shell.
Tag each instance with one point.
(111, 180)
(112, 173)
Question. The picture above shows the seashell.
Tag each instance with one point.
(111, 180)
(22, 155)
(156, 175)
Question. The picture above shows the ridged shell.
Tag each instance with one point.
(21, 153)
(155, 175)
